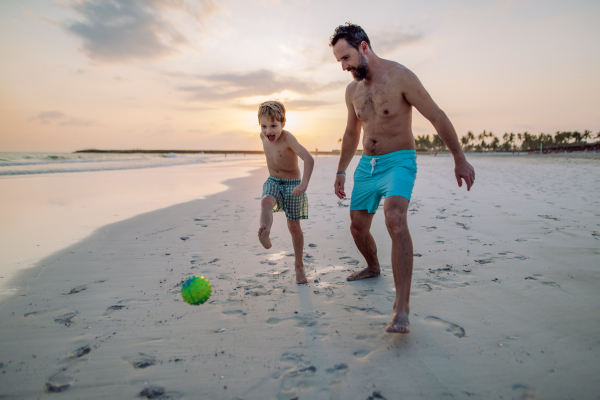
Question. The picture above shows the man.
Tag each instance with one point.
(380, 101)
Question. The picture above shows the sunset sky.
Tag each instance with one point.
(176, 74)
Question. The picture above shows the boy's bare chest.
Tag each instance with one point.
(279, 155)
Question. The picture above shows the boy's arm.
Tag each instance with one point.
(349, 145)
(309, 163)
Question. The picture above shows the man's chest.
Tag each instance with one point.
(381, 100)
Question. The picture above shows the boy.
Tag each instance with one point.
(283, 190)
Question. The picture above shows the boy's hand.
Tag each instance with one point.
(340, 180)
(298, 190)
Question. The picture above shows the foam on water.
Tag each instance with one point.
(48, 163)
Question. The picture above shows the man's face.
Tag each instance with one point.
(352, 60)
(270, 128)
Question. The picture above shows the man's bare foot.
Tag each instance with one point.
(398, 324)
(363, 274)
(263, 236)
(301, 275)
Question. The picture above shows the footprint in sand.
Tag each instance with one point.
(525, 392)
(549, 217)
(360, 353)
(294, 373)
(58, 383)
(80, 352)
(81, 288)
(112, 309)
(454, 329)
(66, 319)
(350, 260)
(159, 392)
(141, 362)
(234, 312)
(337, 373)
(538, 277)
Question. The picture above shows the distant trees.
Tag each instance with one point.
(488, 141)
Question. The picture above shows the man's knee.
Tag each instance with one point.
(358, 228)
(268, 201)
(395, 218)
(396, 223)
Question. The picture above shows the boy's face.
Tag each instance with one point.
(271, 128)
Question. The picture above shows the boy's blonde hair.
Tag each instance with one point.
(272, 109)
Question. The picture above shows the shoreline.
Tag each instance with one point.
(571, 154)
(52, 211)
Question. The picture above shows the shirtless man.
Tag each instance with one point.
(380, 100)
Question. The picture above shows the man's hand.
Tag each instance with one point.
(464, 170)
(340, 180)
(298, 190)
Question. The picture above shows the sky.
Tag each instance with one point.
(183, 74)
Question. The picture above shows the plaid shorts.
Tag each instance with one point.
(295, 207)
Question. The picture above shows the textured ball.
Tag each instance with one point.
(196, 290)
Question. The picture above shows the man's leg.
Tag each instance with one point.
(395, 209)
(360, 227)
(266, 220)
(298, 243)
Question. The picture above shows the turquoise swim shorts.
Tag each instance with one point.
(391, 174)
(295, 207)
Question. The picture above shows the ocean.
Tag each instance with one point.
(52, 163)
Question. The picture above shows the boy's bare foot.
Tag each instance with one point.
(263, 236)
(301, 275)
(364, 274)
(398, 324)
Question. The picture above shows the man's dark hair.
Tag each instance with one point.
(351, 33)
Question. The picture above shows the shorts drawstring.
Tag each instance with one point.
(373, 162)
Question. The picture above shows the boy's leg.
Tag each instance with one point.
(298, 242)
(266, 220)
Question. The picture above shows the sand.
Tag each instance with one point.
(504, 304)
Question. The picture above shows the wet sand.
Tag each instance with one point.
(504, 300)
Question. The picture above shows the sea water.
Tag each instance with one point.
(49, 201)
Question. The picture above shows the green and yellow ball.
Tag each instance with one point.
(196, 290)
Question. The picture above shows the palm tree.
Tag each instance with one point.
(495, 142)
(586, 134)
(464, 140)
(438, 142)
(472, 137)
(577, 136)
(511, 140)
(506, 144)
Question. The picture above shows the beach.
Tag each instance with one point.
(504, 298)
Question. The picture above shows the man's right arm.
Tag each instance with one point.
(350, 143)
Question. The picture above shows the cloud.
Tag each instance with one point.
(257, 83)
(387, 41)
(122, 30)
(291, 105)
(78, 122)
(46, 117)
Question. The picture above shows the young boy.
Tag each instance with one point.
(283, 191)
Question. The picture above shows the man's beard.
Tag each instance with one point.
(360, 72)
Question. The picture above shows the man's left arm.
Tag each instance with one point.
(415, 94)
(309, 164)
